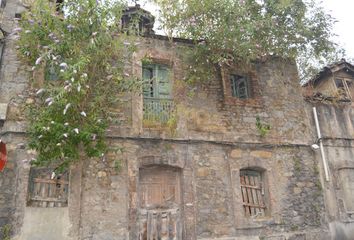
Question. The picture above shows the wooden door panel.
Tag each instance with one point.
(159, 213)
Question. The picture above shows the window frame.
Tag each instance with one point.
(254, 198)
(42, 181)
(158, 104)
(253, 99)
(345, 88)
(155, 67)
(235, 82)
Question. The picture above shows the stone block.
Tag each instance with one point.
(203, 172)
(274, 238)
(297, 190)
(261, 154)
(3, 111)
(236, 153)
(101, 174)
(299, 236)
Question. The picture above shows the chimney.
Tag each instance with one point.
(138, 19)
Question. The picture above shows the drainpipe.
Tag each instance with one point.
(319, 140)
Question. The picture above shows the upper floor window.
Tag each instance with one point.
(345, 86)
(253, 192)
(47, 189)
(156, 81)
(239, 86)
(158, 105)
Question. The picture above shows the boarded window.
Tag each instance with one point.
(47, 189)
(253, 193)
(239, 86)
(158, 105)
(159, 187)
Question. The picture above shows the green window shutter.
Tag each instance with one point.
(156, 81)
(148, 84)
(163, 81)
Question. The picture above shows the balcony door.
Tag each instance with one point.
(158, 104)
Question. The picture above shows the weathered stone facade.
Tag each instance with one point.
(334, 106)
(213, 139)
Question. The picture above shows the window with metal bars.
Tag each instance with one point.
(253, 192)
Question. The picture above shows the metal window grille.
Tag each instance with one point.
(47, 190)
(253, 193)
(158, 110)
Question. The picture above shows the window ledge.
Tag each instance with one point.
(249, 223)
(248, 102)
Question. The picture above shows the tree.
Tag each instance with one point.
(82, 53)
(246, 30)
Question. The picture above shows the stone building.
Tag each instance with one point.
(331, 92)
(231, 161)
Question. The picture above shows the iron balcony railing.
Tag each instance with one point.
(158, 109)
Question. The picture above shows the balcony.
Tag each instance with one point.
(158, 110)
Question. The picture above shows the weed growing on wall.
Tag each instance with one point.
(6, 232)
(262, 128)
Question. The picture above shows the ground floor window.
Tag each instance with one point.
(253, 192)
(47, 189)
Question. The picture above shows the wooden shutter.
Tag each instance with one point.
(163, 81)
(148, 86)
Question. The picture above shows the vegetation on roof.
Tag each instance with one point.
(245, 30)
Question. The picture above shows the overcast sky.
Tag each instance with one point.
(342, 10)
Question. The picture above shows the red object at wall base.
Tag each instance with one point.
(3, 157)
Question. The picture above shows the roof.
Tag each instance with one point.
(330, 69)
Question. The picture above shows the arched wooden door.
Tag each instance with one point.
(160, 203)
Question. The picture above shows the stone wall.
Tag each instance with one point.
(337, 128)
(13, 81)
(211, 190)
(204, 113)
